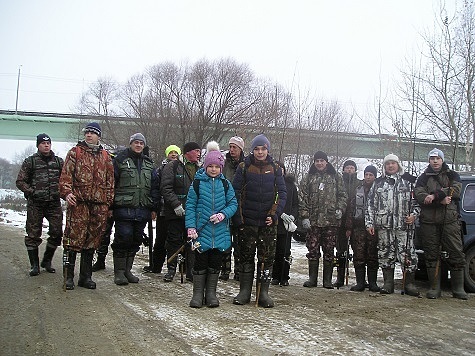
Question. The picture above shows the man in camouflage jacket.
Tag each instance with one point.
(38, 179)
(323, 200)
(87, 185)
(391, 213)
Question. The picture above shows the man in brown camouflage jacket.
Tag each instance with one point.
(87, 185)
(38, 179)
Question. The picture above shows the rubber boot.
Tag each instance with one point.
(128, 267)
(71, 258)
(456, 281)
(34, 262)
(85, 271)
(409, 287)
(199, 282)
(360, 273)
(264, 300)
(100, 262)
(245, 288)
(120, 265)
(211, 284)
(168, 277)
(388, 286)
(327, 274)
(434, 283)
(312, 274)
(372, 280)
(340, 274)
(47, 258)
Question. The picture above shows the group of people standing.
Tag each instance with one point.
(239, 203)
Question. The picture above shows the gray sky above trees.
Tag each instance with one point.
(341, 50)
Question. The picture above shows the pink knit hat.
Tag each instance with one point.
(213, 155)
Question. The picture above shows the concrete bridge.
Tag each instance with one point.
(67, 128)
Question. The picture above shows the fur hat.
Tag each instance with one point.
(213, 155)
(320, 155)
(371, 169)
(138, 137)
(260, 140)
(190, 146)
(238, 141)
(172, 148)
(435, 152)
(350, 163)
(42, 138)
(93, 127)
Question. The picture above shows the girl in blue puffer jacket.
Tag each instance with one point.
(209, 207)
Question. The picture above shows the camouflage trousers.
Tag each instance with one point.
(35, 214)
(324, 237)
(396, 246)
(85, 226)
(437, 238)
(365, 248)
(262, 238)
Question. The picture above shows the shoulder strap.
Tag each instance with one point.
(196, 186)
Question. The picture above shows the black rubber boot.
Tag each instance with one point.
(456, 281)
(34, 262)
(340, 275)
(264, 300)
(245, 288)
(388, 286)
(211, 284)
(85, 271)
(409, 287)
(128, 267)
(168, 277)
(327, 274)
(434, 283)
(312, 274)
(71, 258)
(199, 282)
(360, 273)
(100, 262)
(372, 280)
(120, 265)
(47, 258)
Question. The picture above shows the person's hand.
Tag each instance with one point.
(429, 199)
(192, 234)
(306, 224)
(179, 211)
(216, 218)
(447, 200)
(338, 214)
(71, 199)
(410, 219)
(287, 219)
(370, 230)
(269, 221)
(154, 215)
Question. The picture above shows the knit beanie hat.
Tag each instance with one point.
(138, 137)
(435, 152)
(371, 169)
(93, 127)
(213, 155)
(350, 163)
(260, 140)
(41, 138)
(320, 155)
(238, 141)
(190, 146)
(172, 148)
(392, 157)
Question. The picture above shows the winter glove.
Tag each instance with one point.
(179, 211)
(291, 227)
(287, 219)
(216, 218)
(338, 214)
(306, 224)
(192, 234)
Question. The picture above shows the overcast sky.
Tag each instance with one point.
(338, 49)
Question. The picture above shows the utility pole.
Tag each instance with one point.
(17, 90)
